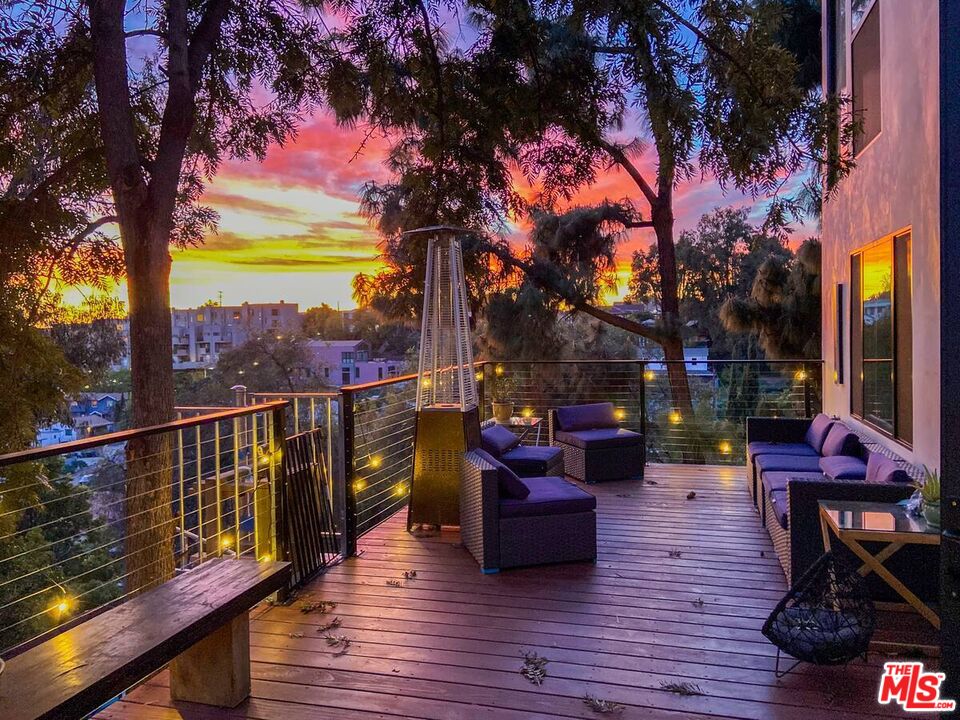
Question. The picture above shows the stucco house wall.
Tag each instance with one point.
(895, 186)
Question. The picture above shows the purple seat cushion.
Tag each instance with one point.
(777, 481)
(599, 438)
(883, 469)
(840, 441)
(787, 463)
(497, 440)
(507, 481)
(548, 496)
(843, 467)
(586, 417)
(778, 501)
(531, 459)
(773, 448)
(817, 432)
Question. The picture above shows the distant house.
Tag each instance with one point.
(696, 362)
(92, 424)
(348, 362)
(55, 434)
(103, 404)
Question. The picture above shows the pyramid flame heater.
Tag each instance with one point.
(448, 420)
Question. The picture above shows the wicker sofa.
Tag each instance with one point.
(788, 499)
(556, 522)
(595, 447)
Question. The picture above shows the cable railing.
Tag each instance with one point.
(697, 416)
(87, 524)
(378, 421)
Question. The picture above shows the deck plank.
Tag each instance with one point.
(449, 643)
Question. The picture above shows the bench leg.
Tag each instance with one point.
(216, 670)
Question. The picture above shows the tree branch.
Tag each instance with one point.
(579, 304)
(620, 157)
(144, 33)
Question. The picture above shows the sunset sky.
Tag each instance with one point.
(290, 228)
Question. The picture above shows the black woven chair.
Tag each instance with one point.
(827, 618)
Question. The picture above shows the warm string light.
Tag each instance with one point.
(620, 414)
(498, 370)
(527, 412)
(400, 489)
(649, 375)
(800, 375)
(359, 485)
(226, 541)
(675, 417)
(725, 447)
(479, 376)
(375, 461)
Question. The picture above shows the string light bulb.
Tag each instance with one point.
(498, 370)
(375, 461)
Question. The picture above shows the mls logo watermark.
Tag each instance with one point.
(908, 685)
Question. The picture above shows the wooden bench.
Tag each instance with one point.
(197, 622)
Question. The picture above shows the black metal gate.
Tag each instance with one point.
(308, 523)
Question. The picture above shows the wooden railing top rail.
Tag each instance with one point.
(378, 383)
(654, 361)
(126, 435)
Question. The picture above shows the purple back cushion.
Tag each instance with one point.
(840, 441)
(497, 440)
(883, 469)
(586, 417)
(817, 432)
(509, 484)
(843, 467)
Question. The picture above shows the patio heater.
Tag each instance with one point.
(448, 420)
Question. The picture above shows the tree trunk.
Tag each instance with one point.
(672, 343)
(150, 524)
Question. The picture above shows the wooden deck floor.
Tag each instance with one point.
(450, 643)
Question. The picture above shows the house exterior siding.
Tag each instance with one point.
(895, 187)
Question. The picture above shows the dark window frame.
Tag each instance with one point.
(902, 380)
(870, 17)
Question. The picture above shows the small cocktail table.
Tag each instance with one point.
(856, 522)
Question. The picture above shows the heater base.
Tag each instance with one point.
(443, 435)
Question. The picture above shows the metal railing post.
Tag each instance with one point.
(807, 392)
(346, 489)
(278, 464)
(643, 399)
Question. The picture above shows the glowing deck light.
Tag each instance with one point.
(620, 414)
(400, 489)
(675, 417)
(359, 485)
(426, 382)
(266, 558)
(649, 375)
(63, 605)
(498, 370)
(800, 375)
(478, 376)
(725, 447)
(375, 462)
(227, 541)
(527, 412)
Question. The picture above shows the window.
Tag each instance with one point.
(881, 330)
(356, 373)
(326, 372)
(345, 375)
(199, 317)
(274, 312)
(379, 373)
(865, 67)
(837, 46)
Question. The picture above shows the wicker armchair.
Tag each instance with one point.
(606, 452)
(499, 542)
